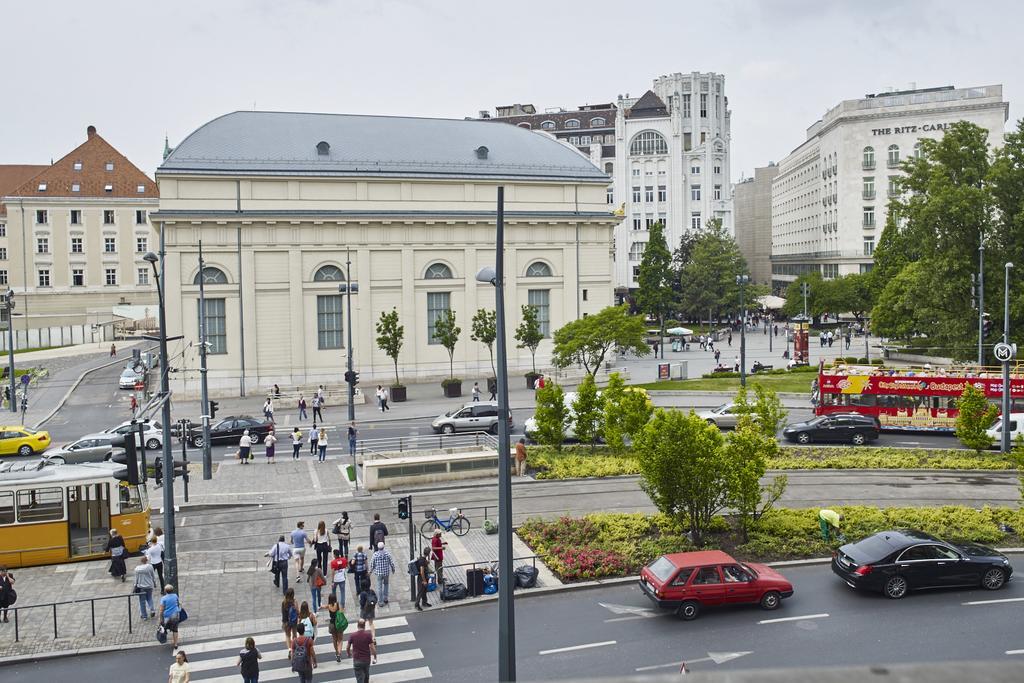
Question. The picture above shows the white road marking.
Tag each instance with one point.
(587, 646)
(716, 657)
(659, 666)
(1015, 652)
(313, 475)
(992, 602)
(779, 621)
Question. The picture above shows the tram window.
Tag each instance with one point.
(40, 505)
(129, 499)
(7, 507)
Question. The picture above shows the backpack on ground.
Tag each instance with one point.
(454, 591)
(526, 576)
(301, 663)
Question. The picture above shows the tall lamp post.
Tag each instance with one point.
(1005, 441)
(170, 553)
(204, 387)
(506, 609)
(742, 281)
(348, 288)
(981, 304)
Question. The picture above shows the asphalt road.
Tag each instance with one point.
(611, 631)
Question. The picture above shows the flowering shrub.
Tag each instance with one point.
(581, 564)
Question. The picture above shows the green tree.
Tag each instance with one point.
(765, 413)
(635, 411)
(853, 293)
(390, 337)
(903, 306)
(588, 409)
(815, 298)
(485, 330)
(1017, 457)
(614, 419)
(976, 416)
(1005, 241)
(654, 295)
(747, 450)
(551, 415)
(446, 332)
(528, 334)
(708, 281)
(588, 340)
(683, 469)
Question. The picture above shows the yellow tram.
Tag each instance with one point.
(64, 513)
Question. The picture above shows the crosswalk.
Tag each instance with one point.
(398, 659)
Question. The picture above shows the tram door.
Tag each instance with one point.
(88, 518)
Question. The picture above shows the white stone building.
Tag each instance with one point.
(830, 196)
(672, 151)
(279, 199)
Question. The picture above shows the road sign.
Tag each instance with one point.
(25, 379)
(1003, 352)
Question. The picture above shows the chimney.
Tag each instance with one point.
(90, 131)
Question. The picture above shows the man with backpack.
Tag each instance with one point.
(303, 655)
(378, 531)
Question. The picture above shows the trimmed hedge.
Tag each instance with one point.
(774, 371)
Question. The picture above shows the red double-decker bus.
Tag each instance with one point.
(910, 398)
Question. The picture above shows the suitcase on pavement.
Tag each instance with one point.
(475, 581)
(526, 576)
(453, 591)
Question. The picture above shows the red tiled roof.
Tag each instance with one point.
(94, 154)
(13, 176)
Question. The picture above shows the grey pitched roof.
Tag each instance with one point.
(285, 143)
(650, 105)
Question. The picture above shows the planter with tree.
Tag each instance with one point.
(446, 332)
(390, 335)
(529, 336)
(485, 331)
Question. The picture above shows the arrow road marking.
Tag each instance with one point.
(778, 621)
(716, 657)
(576, 647)
(634, 612)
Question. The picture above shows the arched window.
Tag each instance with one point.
(648, 142)
(597, 122)
(211, 276)
(328, 274)
(636, 251)
(869, 158)
(526, 125)
(547, 125)
(438, 271)
(538, 269)
(572, 123)
(918, 152)
(894, 155)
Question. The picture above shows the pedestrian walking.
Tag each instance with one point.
(277, 391)
(437, 546)
(521, 457)
(422, 567)
(317, 405)
(133, 404)
(279, 555)
(360, 569)
(368, 603)
(376, 395)
(711, 344)
(728, 338)
(303, 655)
(822, 339)
(115, 546)
(363, 649)
(718, 355)
(384, 396)
(831, 338)
(268, 409)
(702, 343)
(244, 447)
(322, 544)
(180, 672)
(378, 531)
(320, 391)
(300, 539)
(113, 350)
(352, 439)
(289, 617)
(270, 441)
(145, 583)
(316, 581)
(383, 568)
(476, 392)
(342, 528)
(296, 443)
(736, 364)
(847, 339)
(155, 553)
(322, 444)
(314, 436)
(8, 595)
(307, 618)
(302, 408)
(492, 386)
(339, 573)
(337, 622)
(249, 662)
(170, 613)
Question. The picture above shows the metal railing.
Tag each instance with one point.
(422, 442)
(131, 602)
(456, 573)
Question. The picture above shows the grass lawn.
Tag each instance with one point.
(798, 382)
(38, 348)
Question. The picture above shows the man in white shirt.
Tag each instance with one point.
(155, 554)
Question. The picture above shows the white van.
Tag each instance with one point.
(995, 432)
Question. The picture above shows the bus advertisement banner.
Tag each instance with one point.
(915, 385)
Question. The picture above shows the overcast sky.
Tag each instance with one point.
(137, 70)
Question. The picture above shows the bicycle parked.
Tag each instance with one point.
(456, 522)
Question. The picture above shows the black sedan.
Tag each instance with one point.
(839, 427)
(894, 562)
(230, 430)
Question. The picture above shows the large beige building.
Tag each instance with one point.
(74, 234)
(752, 198)
(280, 201)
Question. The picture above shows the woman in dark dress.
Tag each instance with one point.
(8, 596)
(115, 546)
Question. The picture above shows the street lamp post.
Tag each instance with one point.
(981, 304)
(1005, 441)
(348, 288)
(170, 553)
(506, 609)
(204, 388)
(9, 305)
(742, 281)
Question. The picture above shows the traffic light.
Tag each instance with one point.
(180, 469)
(9, 299)
(403, 508)
(352, 377)
(986, 326)
(213, 409)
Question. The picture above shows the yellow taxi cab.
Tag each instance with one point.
(18, 440)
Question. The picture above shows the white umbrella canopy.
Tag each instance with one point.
(771, 301)
(679, 331)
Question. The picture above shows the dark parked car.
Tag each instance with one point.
(230, 429)
(842, 427)
(894, 562)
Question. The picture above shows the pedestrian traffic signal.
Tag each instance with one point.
(986, 326)
(213, 409)
(403, 508)
(352, 377)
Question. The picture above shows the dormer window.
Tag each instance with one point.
(108, 188)
(597, 122)
(78, 165)
(110, 165)
(42, 187)
(140, 189)
(547, 125)
(481, 152)
(572, 123)
(75, 187)
(323, 149)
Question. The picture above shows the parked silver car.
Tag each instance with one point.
(478, 416)
(91, 448)
(724, 416)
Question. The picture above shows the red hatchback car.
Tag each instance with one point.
(688, 582)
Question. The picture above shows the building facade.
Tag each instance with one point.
(830, 196)
(75, 233)
(282, 202)
(752, 199)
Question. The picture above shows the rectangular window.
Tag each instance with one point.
(77, 277)
(636, 172)
(109, 245)
(216, 326)
(438, 304)
(636, 223)
(540, 299)
(869, 216)
(869, 247)
(868, 189)
(76, 245)
(42, 245)
(143, 276)
(893, 187)
(3, 276)
(636, 195)
(78, 165)
(695, 169)
(695, 192)
(703, 136)
(609, 195)
(328, 321)
(141, 244)
(648, 223)
(75, 187)
(695, 221)
(108, 217)
(703, 106)
(636, 273)
(574, 139)
(3, 230)
(140, 217)
(76, 217)
(42, 217)
(584, 139)
(687, 141)
(3, 253)
(7, 507)
(718, 170)
(662, 193)
(584, 295)
(111, 276)
(40, 505)
(649, 194)
(686, 105)
(718, 191)
(44, 277)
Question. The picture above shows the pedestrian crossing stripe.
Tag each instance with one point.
(215, 661)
